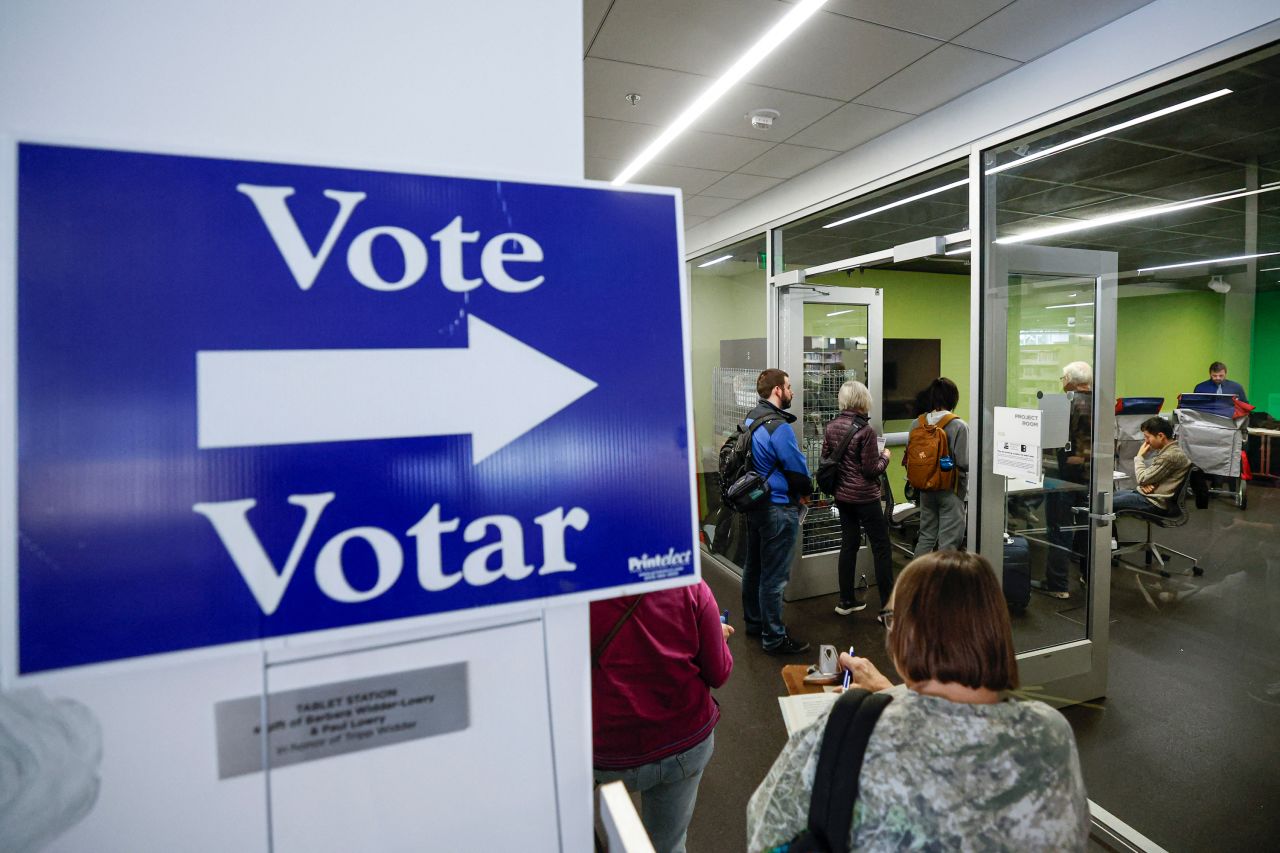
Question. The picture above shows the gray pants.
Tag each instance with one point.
(668, 789)
(941, 522)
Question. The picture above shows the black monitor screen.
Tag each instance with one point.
(910, 364)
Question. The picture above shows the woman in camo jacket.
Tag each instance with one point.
(953, 763)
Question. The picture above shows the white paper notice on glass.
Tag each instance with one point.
(1017, 444)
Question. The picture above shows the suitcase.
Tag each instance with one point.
(1017, 573)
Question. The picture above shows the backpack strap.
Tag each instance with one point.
(835, 786)
(613, 632)
(755, 425)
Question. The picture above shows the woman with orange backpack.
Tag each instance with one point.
(937, 462)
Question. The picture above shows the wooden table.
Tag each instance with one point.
(1264, 451)
(793, 676)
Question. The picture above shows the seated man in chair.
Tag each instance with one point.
(1160, 467)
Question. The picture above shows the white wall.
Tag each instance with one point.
(1147, 39)
(492, 87)
(486, 87)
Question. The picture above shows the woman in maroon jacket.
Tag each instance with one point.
(655, 659)
(858, 495)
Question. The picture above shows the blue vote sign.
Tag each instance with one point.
(257, 399)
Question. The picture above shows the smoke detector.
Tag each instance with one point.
(763, 119)
(1217, 285)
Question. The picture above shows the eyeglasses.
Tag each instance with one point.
(885, 618)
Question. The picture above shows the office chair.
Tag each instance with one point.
(903, 519)
(1152, 550)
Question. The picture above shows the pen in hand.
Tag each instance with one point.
(848, 673)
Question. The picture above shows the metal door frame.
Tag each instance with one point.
(1075, 671)
(815, 574)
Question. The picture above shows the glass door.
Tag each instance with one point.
(827, 335)
(1049, 347)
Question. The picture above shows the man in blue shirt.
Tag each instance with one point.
(1218, 383)
(773, 529)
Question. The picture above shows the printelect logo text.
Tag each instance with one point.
(670, 559)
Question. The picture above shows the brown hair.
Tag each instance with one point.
(768, 380)
(951, 624)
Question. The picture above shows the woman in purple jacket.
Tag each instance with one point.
(858, 495)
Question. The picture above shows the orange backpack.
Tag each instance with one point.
(926, 446)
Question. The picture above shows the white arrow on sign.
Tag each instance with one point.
(495, 390)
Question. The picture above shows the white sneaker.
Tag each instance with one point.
(844, 608)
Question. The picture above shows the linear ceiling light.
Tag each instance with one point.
(1207, 261)
(755, 54)
(1270, 269)
(838, 313)
(966, 250)
(1098, 134)
(1140, 213)
(716, 261)
(898, 203)
(1070, 305)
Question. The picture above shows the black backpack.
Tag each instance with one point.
(835, 785)
(741, 486)
(828, 474)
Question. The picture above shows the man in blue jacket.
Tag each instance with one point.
(772, 530)
(1218, 383)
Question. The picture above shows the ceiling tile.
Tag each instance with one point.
(1027, 29)
(941, 19)
(665, 93)
(838, 57)
(702, 205)
(848, 126)
(787, 161)
(690, 221)
(620, 140)
(798, 111)
(712, 151)
(740, 186)
(702, 38)
(933, 80)
(616, 140)
(690, 181)
(593, 12)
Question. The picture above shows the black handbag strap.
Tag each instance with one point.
(613, 632)
(835, 787)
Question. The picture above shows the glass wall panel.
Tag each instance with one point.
(926, 300)
(1182, 184)
(727, 294)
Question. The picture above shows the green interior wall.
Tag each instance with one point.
(1264, 378)
(920, 305)
(1165, 343)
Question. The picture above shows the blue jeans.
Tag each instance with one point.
(1132, 499)
(771, 541)
(668, 789)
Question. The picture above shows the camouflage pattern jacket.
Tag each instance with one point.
(941, 775)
